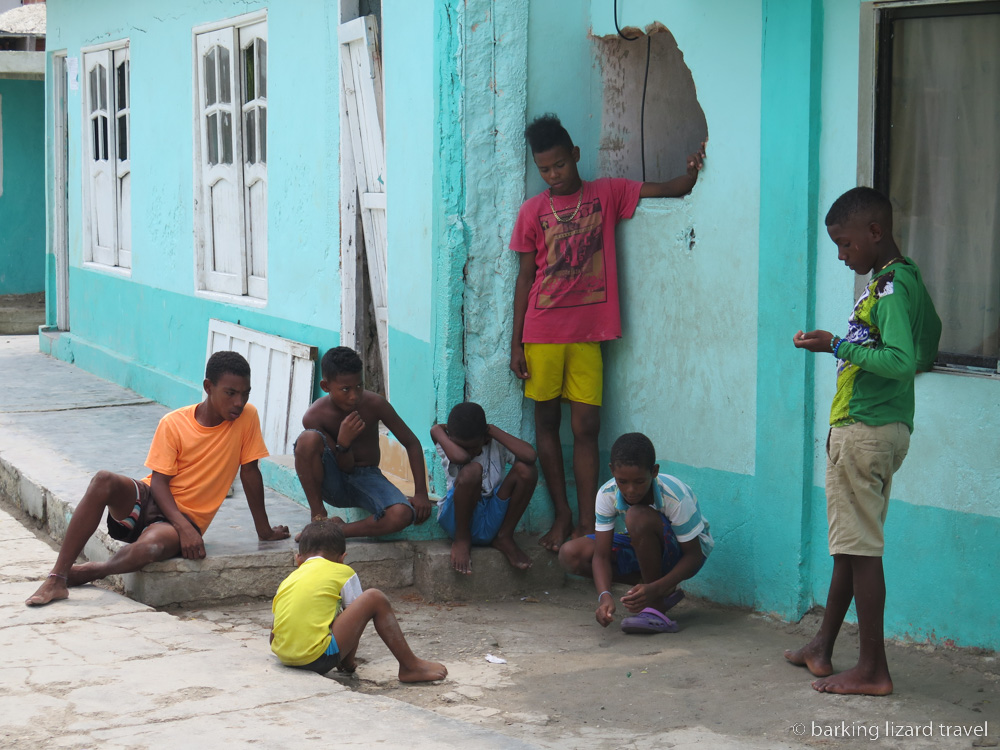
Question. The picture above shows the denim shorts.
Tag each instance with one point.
(364, 487)
(625, 563)
(487, 518)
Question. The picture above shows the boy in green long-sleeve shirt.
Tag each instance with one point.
(892, 335)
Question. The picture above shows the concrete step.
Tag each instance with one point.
(21, 313)
(60, 425)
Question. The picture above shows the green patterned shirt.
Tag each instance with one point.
(892, 334)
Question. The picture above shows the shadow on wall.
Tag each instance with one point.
(674, 123)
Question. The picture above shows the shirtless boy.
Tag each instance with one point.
(194, 457)
(337, 455)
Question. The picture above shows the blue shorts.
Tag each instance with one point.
(365, 487)
(487, 518)
(625, 563)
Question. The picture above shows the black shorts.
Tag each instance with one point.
(144, 514)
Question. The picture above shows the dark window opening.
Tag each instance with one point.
(937, 157)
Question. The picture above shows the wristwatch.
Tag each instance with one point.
(342, 448)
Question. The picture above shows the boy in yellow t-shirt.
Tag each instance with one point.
(194, 457)
(315, 629)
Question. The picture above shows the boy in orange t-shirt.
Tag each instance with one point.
(194, 457)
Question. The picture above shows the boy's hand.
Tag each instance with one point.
(422, 505)
(637, 598)
(518, 364)
(351, 426)
(276, 533)
(192, 545)
(696, 161)
(814, 341)
(606, 611)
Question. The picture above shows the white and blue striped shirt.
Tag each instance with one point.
(671, 497)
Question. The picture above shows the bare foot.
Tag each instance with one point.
(52, 589)
(461, 557)
(812, 659)
(422, 671)
(347, 666)
(856, 681)
(562, 526)
(515, 555)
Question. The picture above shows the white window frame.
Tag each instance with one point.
(107, 180)
(239, 273)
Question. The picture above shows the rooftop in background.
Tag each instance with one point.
(27, 20)
(22, 42)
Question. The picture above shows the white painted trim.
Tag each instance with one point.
(236, 21)
(231, 299)
(116, 44)
(91, 265)
(60, 180)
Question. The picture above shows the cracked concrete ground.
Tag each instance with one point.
(720, 683)
(102, 670)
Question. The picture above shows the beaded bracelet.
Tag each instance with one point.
(836, 349)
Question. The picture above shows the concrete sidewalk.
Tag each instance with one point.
(101, 670)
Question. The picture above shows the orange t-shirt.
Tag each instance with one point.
(202, 461)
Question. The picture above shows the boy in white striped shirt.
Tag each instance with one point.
(666, 541)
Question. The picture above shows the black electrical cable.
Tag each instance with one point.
(645, 81)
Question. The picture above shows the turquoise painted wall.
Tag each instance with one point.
(22, 202)
(148, 329)
(411, 183)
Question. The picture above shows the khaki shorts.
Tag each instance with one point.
(574, 372)
(860, 462)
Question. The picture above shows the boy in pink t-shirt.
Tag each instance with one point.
(566, 303)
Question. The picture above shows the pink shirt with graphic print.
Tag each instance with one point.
(574, 296)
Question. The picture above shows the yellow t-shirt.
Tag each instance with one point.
(202, 461)
(305, 606)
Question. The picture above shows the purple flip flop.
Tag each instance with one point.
(649, 621)
(671, 601)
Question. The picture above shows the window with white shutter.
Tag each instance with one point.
(107, 172)
(231, 158)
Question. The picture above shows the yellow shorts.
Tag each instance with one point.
(574, 372)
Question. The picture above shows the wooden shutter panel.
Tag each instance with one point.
(100, 152)
(223, 261)
(361, 82)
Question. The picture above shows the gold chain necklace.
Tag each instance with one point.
(572, 216)
(894, 260)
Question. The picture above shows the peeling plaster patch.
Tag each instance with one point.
(675, 123)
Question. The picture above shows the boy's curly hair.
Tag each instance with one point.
(467, 421)
(322, 537)
(863, 202)
(340, 360)
(221, 363)
(633, 449)
(547, 132)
